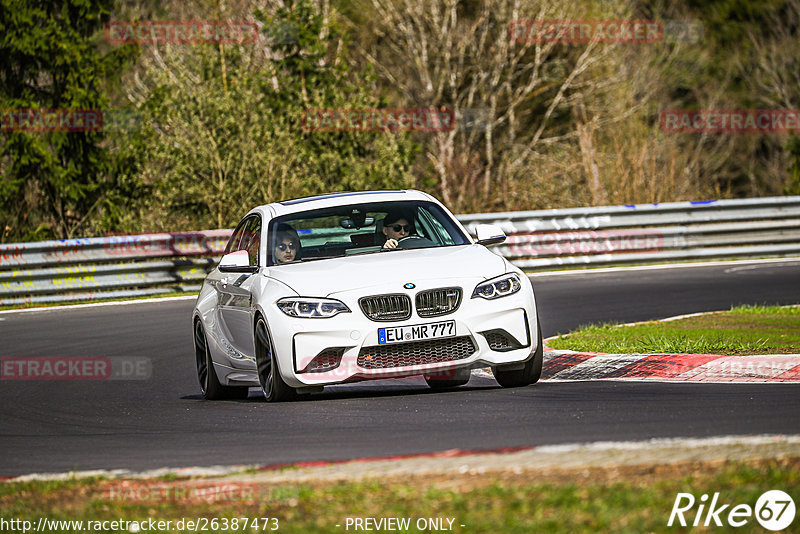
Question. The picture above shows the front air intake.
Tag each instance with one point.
(327, 360)
(436, 302)
(386, 307)
(416, 353)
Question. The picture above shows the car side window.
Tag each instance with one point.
(236, 237)
(434, 228)
(251, 239)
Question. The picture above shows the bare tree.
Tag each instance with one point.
(506, 89)
(776, 84)
(777, 51)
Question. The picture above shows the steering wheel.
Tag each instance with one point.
(414, 241)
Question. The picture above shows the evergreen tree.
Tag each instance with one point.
(53, 181)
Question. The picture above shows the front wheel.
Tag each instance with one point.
(210, 386)
(269, 376)
(527, 375)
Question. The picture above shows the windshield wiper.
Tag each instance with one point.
(374, 251)
(314, 258)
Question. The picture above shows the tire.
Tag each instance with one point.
(272, 385)
(210, 386)
(529, 374)
(448, 379)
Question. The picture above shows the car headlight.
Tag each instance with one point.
(502, 286)
(311, 307)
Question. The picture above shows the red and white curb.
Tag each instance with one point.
(569, 365)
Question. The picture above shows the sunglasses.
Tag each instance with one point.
(397, 227)
(283, 246)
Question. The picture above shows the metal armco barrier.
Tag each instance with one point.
(136, 265)
(107, 267)
(648, 233)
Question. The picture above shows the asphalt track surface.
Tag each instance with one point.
(56, 426)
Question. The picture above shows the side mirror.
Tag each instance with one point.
(237, 262)
(489, 234)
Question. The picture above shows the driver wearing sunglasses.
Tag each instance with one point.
(395, 228)
(287, 245)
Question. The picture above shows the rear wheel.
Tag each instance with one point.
(210, 386)
(269, 376)
(448, 379)
(527, 375)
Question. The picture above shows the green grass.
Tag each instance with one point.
(742, 330)
(626, 499)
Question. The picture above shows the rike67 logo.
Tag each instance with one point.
(774, 510)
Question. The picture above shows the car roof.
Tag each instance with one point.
(287, 207)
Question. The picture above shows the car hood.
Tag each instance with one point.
(325, 277)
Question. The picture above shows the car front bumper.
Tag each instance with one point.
(488, 332)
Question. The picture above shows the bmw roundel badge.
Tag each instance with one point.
(409, 286)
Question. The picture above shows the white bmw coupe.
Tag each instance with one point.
(356, 286)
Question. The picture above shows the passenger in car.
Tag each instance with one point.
(287, 244)
(395, 227)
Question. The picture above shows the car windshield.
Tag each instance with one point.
(359, 229)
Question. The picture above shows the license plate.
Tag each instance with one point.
(417, 332)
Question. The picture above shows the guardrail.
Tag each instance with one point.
(107, 267)
(648, 233)
(138, 265)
